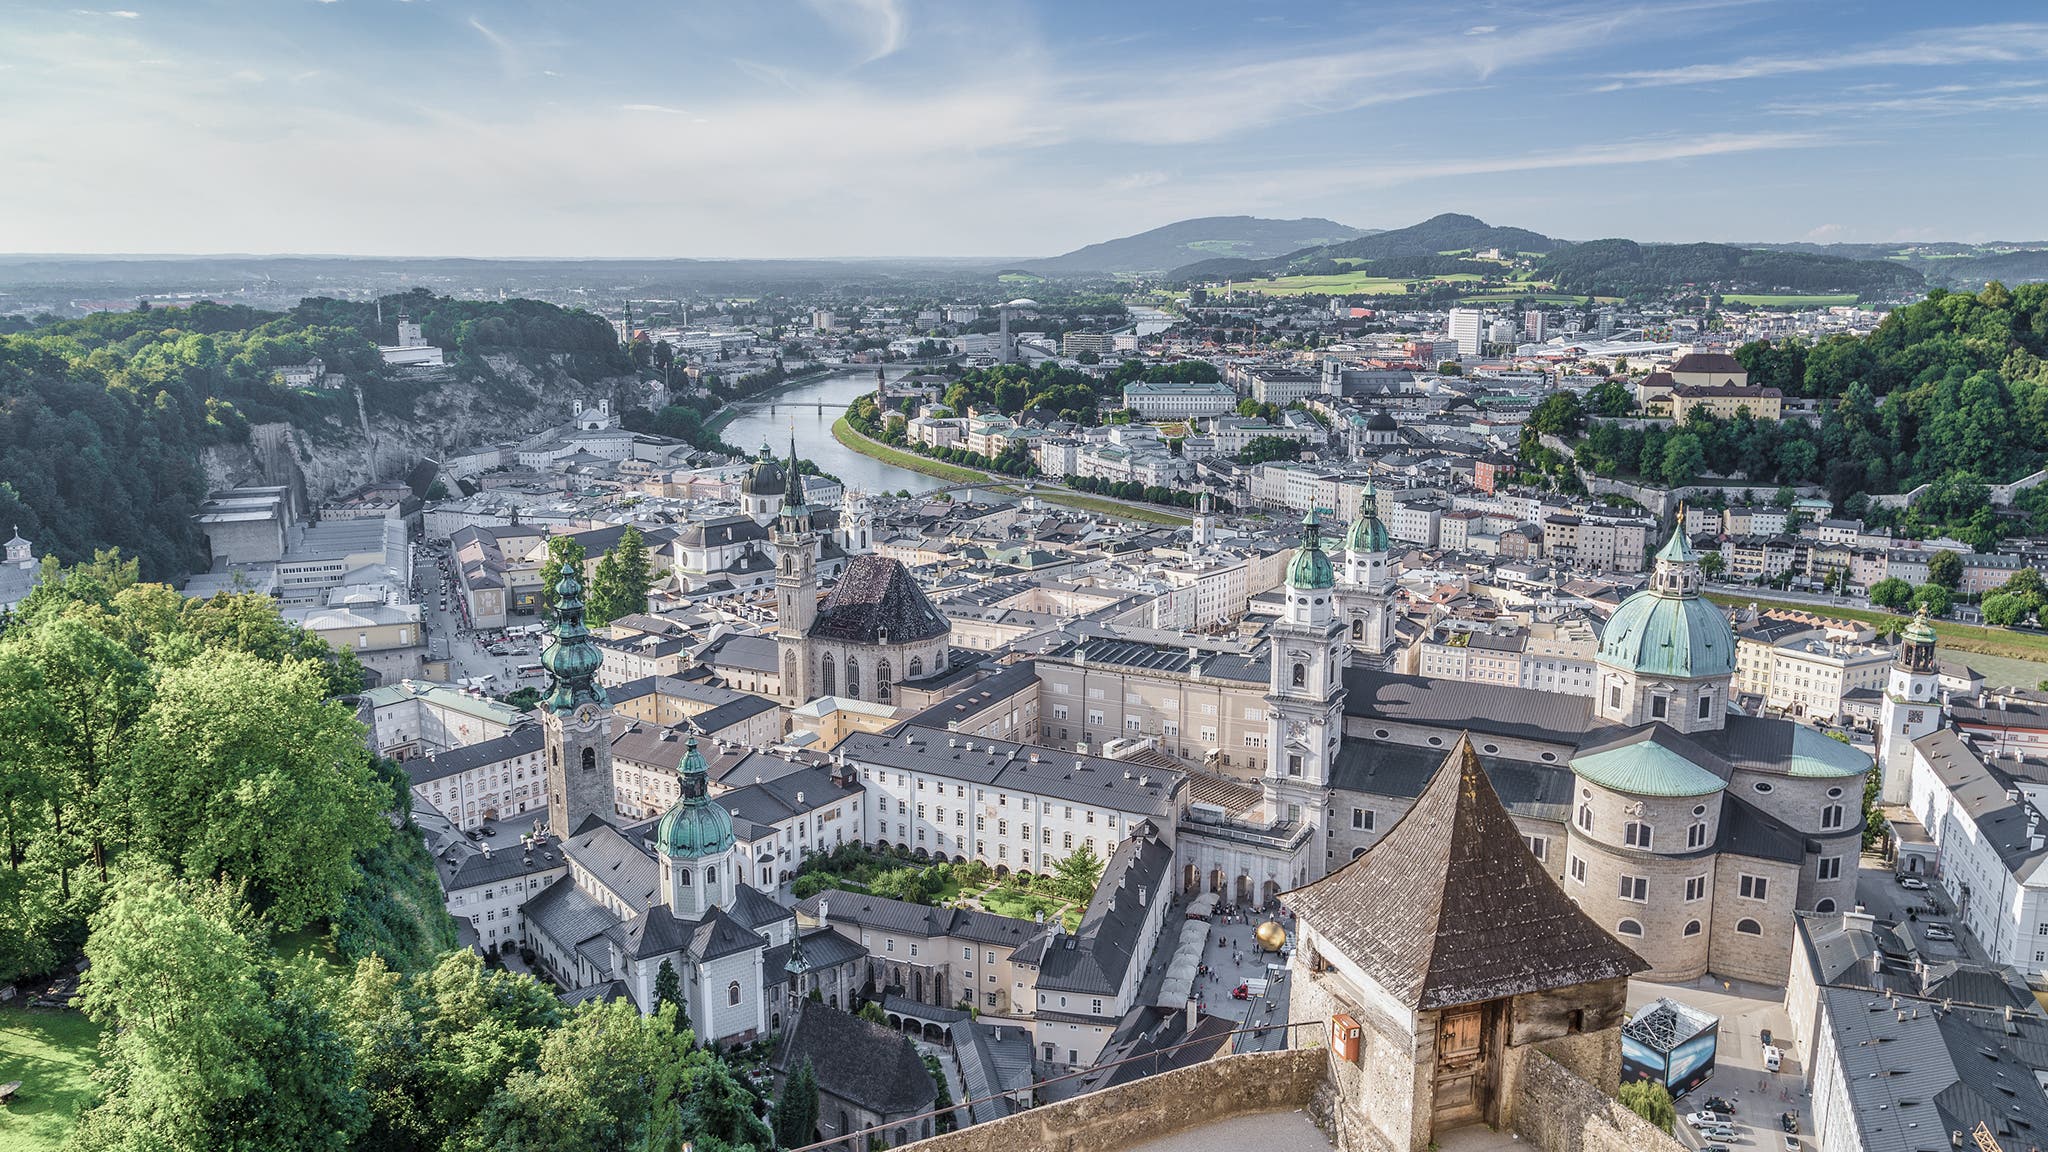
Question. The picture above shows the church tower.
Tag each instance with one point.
(796, 587)
(1203, 535)
(694, 843)
(576, 717)
(1305, 706)
(1911, 708)
(1366, 593)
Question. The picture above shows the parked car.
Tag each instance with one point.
(1791, 1144)
(1912, 884)
(1720, 1105)
(1714, 1148)
(1724, 1132)
(1940, 932)
(1773, 1056)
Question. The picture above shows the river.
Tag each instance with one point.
(810, 408)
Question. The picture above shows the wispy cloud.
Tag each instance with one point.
(1982, 44)
(662, 108)
(112, 13)
(880, 24)
(1941, 100)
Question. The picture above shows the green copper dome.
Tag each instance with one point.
(570, 658)
(695, 827)
(1310, 567)
(1367, 533)
(1669, 629)
(1920, 631)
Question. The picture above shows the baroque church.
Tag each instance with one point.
(1690, 831)
(668, 892)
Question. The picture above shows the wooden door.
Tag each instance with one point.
(1460, 1067)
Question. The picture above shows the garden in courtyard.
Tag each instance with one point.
(1064, 892)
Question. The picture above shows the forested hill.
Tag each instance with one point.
(1626, 268)
(103, 420)
(1184, 241)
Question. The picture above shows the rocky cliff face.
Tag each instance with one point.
(386, 426)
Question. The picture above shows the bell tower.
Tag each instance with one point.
(1366, 592)
(1305, 704)
(1911, 707)
(796, 586)
(576, 717)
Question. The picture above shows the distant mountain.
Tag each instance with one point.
(1625, 268)
(1449, 232)
(1188, 241)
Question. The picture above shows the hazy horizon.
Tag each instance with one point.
(854, 129)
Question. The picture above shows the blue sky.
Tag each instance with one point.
(984, 127)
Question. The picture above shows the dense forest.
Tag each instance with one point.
(1951, 392)
(1626, 268)
(103, 419)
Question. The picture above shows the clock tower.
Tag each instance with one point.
(796, 587)
(576, 717)
(1305, 707)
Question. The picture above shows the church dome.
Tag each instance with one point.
(766, 478)
(1311, 567)
(695, 827)
(1669, 629)
(570, 658)
(1367, 533)
(1381, 422)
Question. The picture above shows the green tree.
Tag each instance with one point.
(2003, 609)
(608, 1078)
(1559, 414)
(1650, 1100)
(244, 770)
(1946, 569)
(209, 1044)
(1935, 598)
(1684, 459)
(1079, 873)
(1891, 592)
(668, 989)
(564, 555)
(620, 584)
(872, 1013)
(795, 1118)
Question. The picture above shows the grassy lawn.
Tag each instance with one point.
(952, 473)
(1533, 297)
(1769, 301)
(1343, 283)
(1998, 642)
(1007, 901)
(52, 1053)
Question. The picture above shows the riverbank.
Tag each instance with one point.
(2003, 643)
(852, 439)
(717, 423)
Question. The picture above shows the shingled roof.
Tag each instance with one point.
(876, 602)
(1450, 908)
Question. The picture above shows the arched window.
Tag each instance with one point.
(853, 677)
(1629, 928)
(1300, 675)
(789, 673)
(917, 667)
(1831, 816)
(711, 873)
(1826, 905)
(1585, 817)
(590, 759)
(732, 993)
(882, 681)
(1692, 928)
(827, 683)
(683, 877)
(1358, 628)
(1749, 928)
(1357, 852)
(1636, 834)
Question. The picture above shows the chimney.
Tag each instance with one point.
(1194, 1014)
(824, 912)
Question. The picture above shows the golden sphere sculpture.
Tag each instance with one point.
(1272, 936)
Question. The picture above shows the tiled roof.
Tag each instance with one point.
(1450, 908)
(876, 598)
(869, 1064)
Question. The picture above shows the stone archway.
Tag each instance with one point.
(1244, 889)
(1218, 883)
(1191, 878)
(1269, 893)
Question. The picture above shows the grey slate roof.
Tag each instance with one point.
(869, 1064)
(1521, 713)
(1401, 771)
(725, 716)
(823, 948)
(1747, 830)
(566, 915)
(879, 913)
(1095, 960)
(1450, 908)
(522, 741)
(1915, 1073)
(962, 709)
(875, 601)
(1005, 764)
(616, 862)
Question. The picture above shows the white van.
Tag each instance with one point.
(1773, 1056)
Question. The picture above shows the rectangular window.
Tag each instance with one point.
(1066, 839)
(1660, 707)
(1696, 836)
(1361, 819)
(1539, 847)
(1578, 869)
(1614, 696)
(1755, 888)
(1636, 834)
(1831, 868)
(1635, 888)
(1696, 888)
(1707, 706)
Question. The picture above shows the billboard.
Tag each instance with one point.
(1692, 1062)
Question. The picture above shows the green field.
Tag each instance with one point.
(954, 474)
(52, 1053)
(2001, 643)
(1006, 901)
(1531, 297)
(951, 473)
(1770, 301)
(1341, 284)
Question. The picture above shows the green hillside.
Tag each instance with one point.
(1188, 241)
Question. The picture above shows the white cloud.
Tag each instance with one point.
(1990, 43)
(881, 25)
(112, 13)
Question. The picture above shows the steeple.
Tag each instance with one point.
(1310, 569)
(570, 658)
(1678, 566)
(692, 840)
